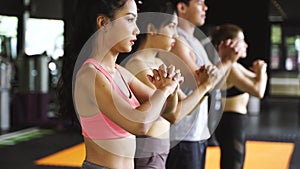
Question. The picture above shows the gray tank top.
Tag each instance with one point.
(193, 127)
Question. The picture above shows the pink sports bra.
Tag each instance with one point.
(99, 126)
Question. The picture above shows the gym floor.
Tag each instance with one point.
(278, 120)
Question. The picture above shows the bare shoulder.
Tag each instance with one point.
(183, 50)
(86, 71)
(182, 43)
(134, 60)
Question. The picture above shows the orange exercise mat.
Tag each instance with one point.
(259, 154)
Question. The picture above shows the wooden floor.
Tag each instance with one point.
(277, 121)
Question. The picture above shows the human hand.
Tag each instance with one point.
(229, 50)
(259, 67)
(207, 75)
(167, 78)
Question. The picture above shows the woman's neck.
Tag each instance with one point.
(149, 51)
(108, 62)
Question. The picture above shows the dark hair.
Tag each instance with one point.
(83, 25)
(175, 2)
(156, 12)
(157, 6)
(223, 32)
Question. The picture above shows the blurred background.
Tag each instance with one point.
(32, 34)
(32, 39)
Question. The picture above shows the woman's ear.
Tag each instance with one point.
(151, 30)
(102, 21)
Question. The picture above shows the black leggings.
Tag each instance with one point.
(187, 155)
(231, 136)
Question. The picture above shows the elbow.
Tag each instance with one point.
(259, 95)
(259, 92)
(175, 120)
(141, 129)
(172, 118)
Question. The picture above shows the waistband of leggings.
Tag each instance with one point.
(90, 165)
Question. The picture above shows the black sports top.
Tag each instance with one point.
(233, 91)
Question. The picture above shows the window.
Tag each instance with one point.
(275, 47)
(285, 60)
(44, 35)
(8, 36)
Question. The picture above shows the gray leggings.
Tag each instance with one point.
(151, 153)
(89, 165)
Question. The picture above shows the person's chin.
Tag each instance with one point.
(168, 49)
(126, 50)
(201, 23)
(243, 56)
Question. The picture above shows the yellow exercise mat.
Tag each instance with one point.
(259, 154)
(275, 155)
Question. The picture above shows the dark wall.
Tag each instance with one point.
(11, 7)
(51, 9)
(242, 13)
(252, 16)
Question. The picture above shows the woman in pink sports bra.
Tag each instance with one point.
(111, 105)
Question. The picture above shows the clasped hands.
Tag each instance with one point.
(207, 75)
(229, 50)
(164, 76)
(259, 66)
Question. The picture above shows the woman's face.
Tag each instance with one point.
(242, 45)
(123, 30)
(165, 38)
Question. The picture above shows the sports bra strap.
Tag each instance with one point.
(100, 68)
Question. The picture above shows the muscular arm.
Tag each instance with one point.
(185, 52)
(187, 105)
(245, 80)
(142, 71)
(137, 120)
(184, 105)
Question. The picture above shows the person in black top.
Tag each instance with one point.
(240, 84)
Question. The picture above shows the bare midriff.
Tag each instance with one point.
(113, 154)
(159, 129)
(236, 104)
